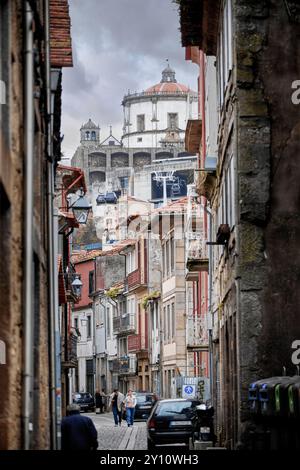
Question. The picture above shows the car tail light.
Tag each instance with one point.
(151, 424)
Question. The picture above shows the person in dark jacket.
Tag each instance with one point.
(98, 401)
(78, 432)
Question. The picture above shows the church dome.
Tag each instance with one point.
(168, 87)
(168, 83)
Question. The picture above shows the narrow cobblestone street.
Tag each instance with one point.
(119, 438)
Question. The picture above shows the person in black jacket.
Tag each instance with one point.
(78, 432)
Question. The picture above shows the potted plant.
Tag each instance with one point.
(113, 292)
(151, 296)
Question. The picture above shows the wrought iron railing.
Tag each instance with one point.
(127, 365)
(124, 323)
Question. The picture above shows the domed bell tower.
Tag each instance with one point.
(89, 133)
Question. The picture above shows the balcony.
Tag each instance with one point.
(197, 256)
(136, 279)
(197, 335)
(70, 352)
(193, 135)
(113, 366)
(134, 343)
(128, 365)
(124, 324)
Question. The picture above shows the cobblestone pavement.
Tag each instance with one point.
(121, 437)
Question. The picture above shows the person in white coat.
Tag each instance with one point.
(130, 404)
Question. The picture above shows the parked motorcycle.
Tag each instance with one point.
(205, 425)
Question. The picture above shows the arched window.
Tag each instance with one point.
(87, 135)
(93, 135)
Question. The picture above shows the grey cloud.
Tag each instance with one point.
(118, 45)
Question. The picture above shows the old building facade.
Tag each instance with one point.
(29, 152)
(251, 195)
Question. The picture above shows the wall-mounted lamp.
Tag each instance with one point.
(77, 286)
(81, 208)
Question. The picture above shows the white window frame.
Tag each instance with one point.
(140, 123)
(224, 60)
(130, 262)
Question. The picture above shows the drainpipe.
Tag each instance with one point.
(210, 313)
(50, 189)
(28, 285)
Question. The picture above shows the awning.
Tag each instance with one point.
(193, 135)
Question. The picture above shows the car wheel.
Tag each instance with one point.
(150, 445)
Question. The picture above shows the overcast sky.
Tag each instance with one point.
(118, 45)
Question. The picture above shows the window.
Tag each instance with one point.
(91, 282)
(124, 182)
(87, 135)
(228, 197)
(224, 59)
(108, 322)
(140, 122)
(89, 326)
(93, 135)
(165, 324)
(139, 139)
(130, 262)
(122, 307)
(163, 260)
(175, 408)
(168, 257)
(76, 323)
(169, 322)
(111, 142)
(173, 321)
(172, 120)
(172, 248)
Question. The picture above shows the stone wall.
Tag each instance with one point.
(266, 143)
(12, 188)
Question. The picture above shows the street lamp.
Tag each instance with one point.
(77, 286)
(81, 208)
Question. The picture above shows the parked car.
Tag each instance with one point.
(144, 404)
(85, 401)
(111, 198)
(100, 199)
(172, 422)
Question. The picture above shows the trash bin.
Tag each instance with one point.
(254, 394)
(293, 393)
(283, 395)
(269, 395)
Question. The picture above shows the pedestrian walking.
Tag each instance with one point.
(78, 432)
(116, 401)
(130, 403)
(103, 400)
(98, 401)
